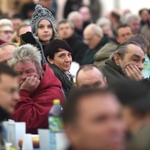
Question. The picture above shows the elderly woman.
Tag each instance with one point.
(58, 54)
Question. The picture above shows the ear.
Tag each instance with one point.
(51, 61)
(72, 134)
(117, 59)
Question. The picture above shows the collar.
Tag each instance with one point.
(113, 65)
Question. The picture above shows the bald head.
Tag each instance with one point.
(92, 35)
(90, 76)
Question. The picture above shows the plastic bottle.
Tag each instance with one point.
(55, 122)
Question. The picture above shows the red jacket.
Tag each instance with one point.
(33, 108)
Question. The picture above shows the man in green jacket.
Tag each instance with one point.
(126, 63)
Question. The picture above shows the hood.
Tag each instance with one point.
(105, 52)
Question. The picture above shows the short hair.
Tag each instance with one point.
(73, 15)
(122, 26)
(7, 44)
(140, 39)
(103, 21)
(88, 67)
(55, 46)
(95, 29)
(122, 49)
(22, 25)
(64, 21)
(5, 69)
(25, 53)
(5, 21)
(115, 15)
(141, 10)
(129, 17)
(70, 111)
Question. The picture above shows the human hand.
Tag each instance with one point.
(133, 72)
(30, 84)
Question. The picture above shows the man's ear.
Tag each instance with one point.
(51, 61)
(117, 59)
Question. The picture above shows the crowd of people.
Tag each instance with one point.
(106, 104)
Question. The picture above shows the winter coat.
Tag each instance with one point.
(33, 108)
(104, 54)
(89, 55)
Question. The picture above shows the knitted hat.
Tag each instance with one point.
(39, 14)
(54, 46)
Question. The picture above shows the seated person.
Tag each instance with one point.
(58, 54)
(38, 88)
(126, 63)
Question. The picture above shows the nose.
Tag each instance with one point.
(16, 96)
(45, 29)
(141, 66)
(68, 58)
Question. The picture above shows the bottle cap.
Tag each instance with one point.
(56, 101)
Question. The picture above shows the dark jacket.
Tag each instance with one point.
(89, 55)
(78, 47)
(3, 116)
(64, 79)
(112, 72)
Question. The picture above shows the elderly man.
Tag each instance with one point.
(126, 62)
(93, 120)
(9, 95)
(95, 39)
(134, 22)
(38, 88)
(89, 76)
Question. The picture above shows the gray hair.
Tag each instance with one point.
(25, 53)
(128, 18)
(96, 29)
(122, 49)
(73, 15)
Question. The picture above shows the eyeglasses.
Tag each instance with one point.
(7, 32)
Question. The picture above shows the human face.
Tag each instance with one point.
(91, 39)
(99, 125)
(107, 30)
(123, 34)
(65, 31)
(6, 35)
(91, 78)
(62, 60)
(26, 69)
(134, 56)
(45, 31)
(135, 25)
(84, 11)
(144, 15)
(9, 93)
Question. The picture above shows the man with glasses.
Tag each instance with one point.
(6, 31)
